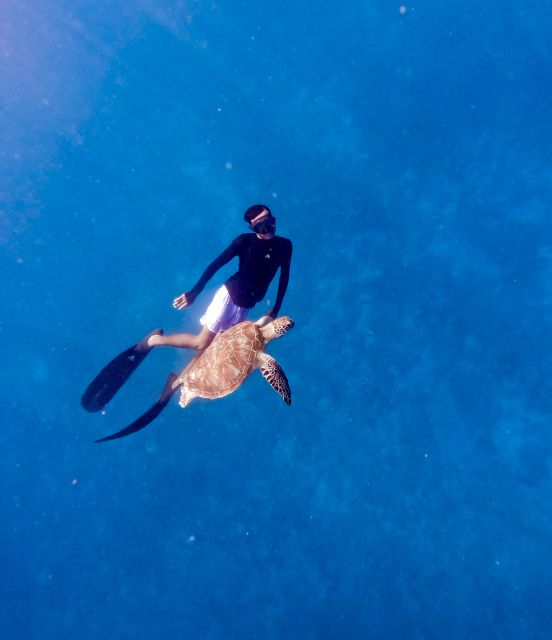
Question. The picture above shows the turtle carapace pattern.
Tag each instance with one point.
(231, 357)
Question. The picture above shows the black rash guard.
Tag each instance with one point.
(258, 262)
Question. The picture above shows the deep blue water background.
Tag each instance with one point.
(407, 492)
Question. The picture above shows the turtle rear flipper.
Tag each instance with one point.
(274, 375)
(150, 414)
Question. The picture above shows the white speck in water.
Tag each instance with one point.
(151, 447)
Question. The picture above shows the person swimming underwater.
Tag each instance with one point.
(260, 253)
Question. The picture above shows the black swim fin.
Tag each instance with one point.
(150, 414)
(114, 375)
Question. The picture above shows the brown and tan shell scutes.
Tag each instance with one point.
(221, 368)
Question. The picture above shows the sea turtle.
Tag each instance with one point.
(222, 367)
(231, 357)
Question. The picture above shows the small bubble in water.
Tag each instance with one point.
(151, 447)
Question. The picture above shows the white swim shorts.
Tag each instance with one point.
(222, 313)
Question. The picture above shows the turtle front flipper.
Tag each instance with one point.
(274, 375)
(150, 414)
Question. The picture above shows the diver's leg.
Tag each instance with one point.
(183, 340)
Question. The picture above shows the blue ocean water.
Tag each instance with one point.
(406, 151)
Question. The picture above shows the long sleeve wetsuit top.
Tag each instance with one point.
(258, 262)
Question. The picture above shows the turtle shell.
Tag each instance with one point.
(225, 364)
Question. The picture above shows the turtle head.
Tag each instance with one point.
(277, 327)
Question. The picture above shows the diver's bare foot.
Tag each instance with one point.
(155, 339)
(148, 342)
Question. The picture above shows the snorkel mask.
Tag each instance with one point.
(266, 225)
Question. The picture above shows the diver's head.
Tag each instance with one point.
(261, 221)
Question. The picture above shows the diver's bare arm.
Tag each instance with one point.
(182, 301)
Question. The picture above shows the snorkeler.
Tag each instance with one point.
(260, 253)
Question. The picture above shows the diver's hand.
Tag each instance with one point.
(183, 300)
